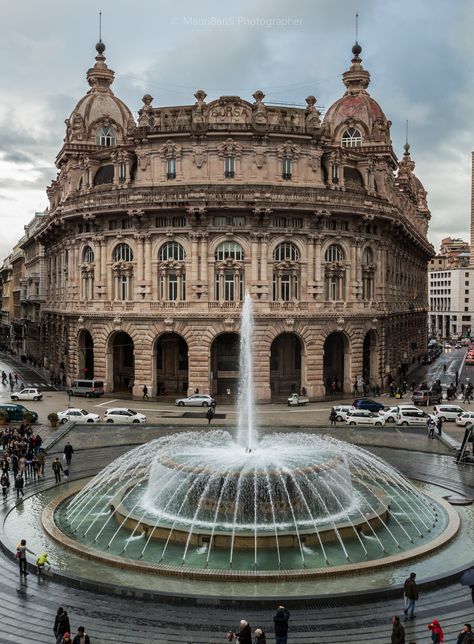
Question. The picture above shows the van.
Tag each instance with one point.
(411, 417)
(15, 412)
(87, 388)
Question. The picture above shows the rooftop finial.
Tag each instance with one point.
(100, 47)
(357, 49)
(407, 145)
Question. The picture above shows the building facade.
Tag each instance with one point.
(156, 229)
(451, 293)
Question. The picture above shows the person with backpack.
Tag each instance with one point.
(210, 415)
(280, 622)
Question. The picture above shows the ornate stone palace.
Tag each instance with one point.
(156, 229)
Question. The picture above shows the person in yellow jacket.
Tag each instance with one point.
(41, 562)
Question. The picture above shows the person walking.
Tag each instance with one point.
(57, 469)
(437, 635)
(82, 637)
(5, 484)
(145, 392)
(42, 460)
(411, 596)
(63, 627)
(59, 612)
(431, 427)
(332, 417)
(280, 623)
(68, 452)
(398, 632)
(210, 415)
(466, 636)
(41, 563)
(21, 551)
(439, 425)
(19, 484)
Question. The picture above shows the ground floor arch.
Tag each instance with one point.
(286, 357)
(85, 355)
(336, 363)
(120, 362)
(370, 359)
(171, 365)
(224, 364)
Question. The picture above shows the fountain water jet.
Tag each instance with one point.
(246, 430)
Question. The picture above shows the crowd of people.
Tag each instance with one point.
(280, 627)
(22, 459)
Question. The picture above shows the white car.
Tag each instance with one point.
(465, 419)
(123, 415)
(196, 400)
(78, 416)
(448, 412)
(412, 417)
(390, 415)
(342, 410)
(363, 417)
(27, 394)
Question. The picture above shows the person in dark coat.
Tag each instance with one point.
(398, 632)
(57, 469)
(59, 612)
(260, 637)
(466, 636)
(63, 626)
(411, 596)
(280, 621)
(82, 637)
(244, 636)
(210, 415)
(19, 483)
(68, 452)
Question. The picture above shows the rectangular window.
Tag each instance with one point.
(466, 318)
(123, 287)
(172, 287)
(466, 283)
(285, 288)
(229, 286)
(286, 168)
(280, 222)
(112, 224)
(161, 222)
(221, 220)
(171, 168)
(127, 223)
(229, 167)
(238, 222)
(179, 222)
(121, 172)
(297, 222)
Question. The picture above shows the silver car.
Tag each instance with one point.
(195, 400)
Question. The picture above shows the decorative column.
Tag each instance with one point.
(152, 287)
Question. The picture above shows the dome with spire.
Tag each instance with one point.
(356, 119)
(99, 118)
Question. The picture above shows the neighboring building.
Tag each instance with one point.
(17, 259)
(157, 229)
(6, 304)
(451, 293)
(456, 251)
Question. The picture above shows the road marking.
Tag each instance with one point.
(107, 402)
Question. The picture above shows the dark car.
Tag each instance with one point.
(367, 403)
(16, 411)
(426, 397)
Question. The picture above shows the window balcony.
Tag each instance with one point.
(229, 174)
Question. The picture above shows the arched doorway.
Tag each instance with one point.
(121, 367)
(285, 364)
(225, 352)
(336, 363)
(370, 359)
(86, 355)
(170, 364)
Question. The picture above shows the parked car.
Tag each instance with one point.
(367, 403)
(27, 394)
(78, 415)
(412, 417)
(295, 400)
(426, 397)
(448, 412)
(342, 410)
(16, 412)
(390, 415)
(363, 417)
(87, 388)
(123, 415)
(195, 400)
(465, 419)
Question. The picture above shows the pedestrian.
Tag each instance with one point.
(332, 416)
(82, 637)
(5, 484)
(19, 484)
(411, 596)
(68, 452)
(42, 460)
(65, 639)
(260, 637)
(398, 632)
(431, 427)
(63, 626)
(42, 562)
(439, 425)
(11, 386)
(21, 551)
(472, 593)
(57, 469)
(210, 415)
(59, 612)
(437, 635)
(466, 636)
(145, 392)
(280, 622)
(244, 636)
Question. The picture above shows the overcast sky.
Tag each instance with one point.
(419, 53)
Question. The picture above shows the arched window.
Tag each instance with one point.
(286, 274)
(172, 250)
(105, 136)
(286, 251)
(122, 253)
(229, 250)
(88, 255)
(351, 138)
(334, 253)
(367, 257)
(368, 274)
(104, 175)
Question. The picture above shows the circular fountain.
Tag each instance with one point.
(284, 505)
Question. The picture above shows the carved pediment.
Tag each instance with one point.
(229, 109)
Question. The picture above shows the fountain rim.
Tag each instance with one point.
(190, 572)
